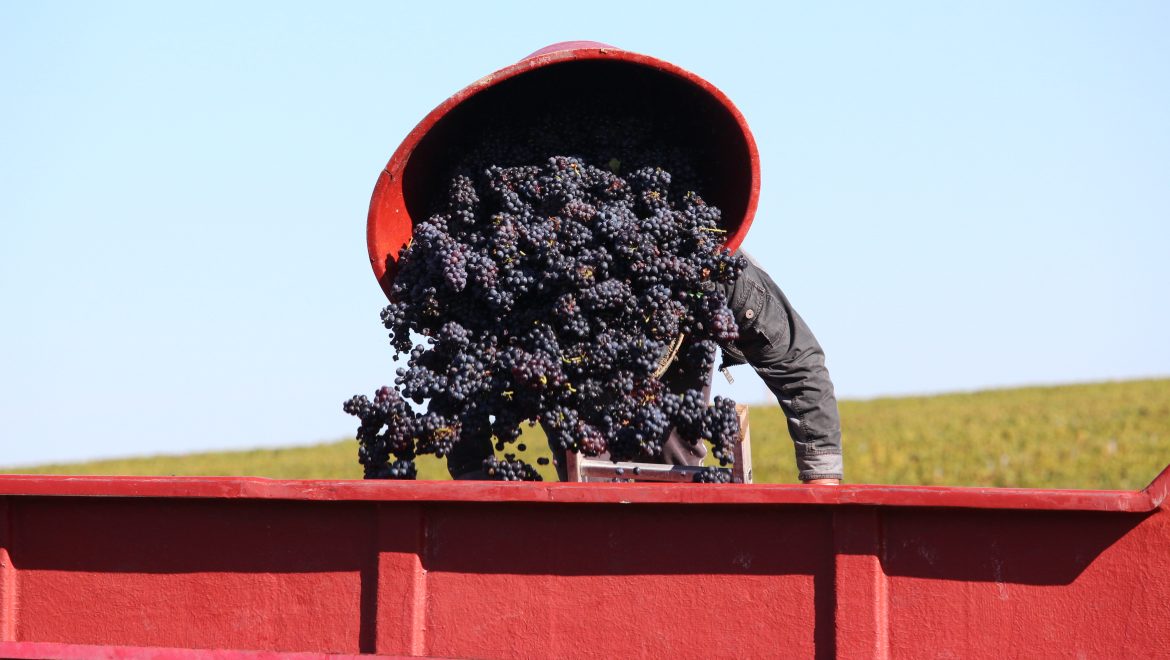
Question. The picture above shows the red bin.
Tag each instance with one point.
(617, 80)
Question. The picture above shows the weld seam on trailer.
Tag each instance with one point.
(7, 575)
(418, 606)
(399, 622)
(882, 586)
(1158, 489)
(861, 586)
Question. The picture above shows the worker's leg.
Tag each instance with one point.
(467, 456)
(676, 451)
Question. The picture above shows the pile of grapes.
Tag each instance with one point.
(555, 293)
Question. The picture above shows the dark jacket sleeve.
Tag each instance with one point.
(783, 351)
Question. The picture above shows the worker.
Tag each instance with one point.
(778, 344)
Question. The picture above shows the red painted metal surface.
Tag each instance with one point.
(576, 67)
(156, 565)
(53, 651)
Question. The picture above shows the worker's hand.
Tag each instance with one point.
(823, 482)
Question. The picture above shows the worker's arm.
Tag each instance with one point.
(783, 351)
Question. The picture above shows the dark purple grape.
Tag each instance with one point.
(556, 293)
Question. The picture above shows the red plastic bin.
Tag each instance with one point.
(629, 83)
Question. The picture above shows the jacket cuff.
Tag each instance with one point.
(820, 466)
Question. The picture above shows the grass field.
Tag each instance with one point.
(1103, 435)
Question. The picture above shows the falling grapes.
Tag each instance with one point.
(713, 475)
(553, 293)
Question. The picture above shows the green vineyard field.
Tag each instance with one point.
(1113, 435)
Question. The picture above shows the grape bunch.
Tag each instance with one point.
(509, 469)
(713, 475)
(555, 293)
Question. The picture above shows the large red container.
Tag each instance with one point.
(96, 567)
(627, 83)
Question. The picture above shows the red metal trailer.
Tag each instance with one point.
(233, 567)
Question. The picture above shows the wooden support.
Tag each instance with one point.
(741, 472)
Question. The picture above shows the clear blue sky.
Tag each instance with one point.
(953, 197)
